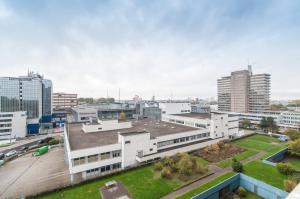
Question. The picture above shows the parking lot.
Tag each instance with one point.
(29, 175)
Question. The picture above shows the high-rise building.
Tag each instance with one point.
(244, 92)
(64, 100)
(31, 93)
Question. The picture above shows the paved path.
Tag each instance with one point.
(217, 172)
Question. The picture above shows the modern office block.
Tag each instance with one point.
(244, 92)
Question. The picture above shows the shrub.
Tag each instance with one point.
(158, 166)
(200, 169)
(53, 142)
(185, 166)
(289, 185)
(285, 169)
(166, 173)
(236, 166)
(221, 144)
(293, 134)
(294, 147)
(241, 192)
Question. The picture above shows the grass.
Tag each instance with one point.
(242, 156)
(251, 195)
(141, 183)
(261, 143)
(201, 161)
(295, 163)
(266, 173)
(206, 186)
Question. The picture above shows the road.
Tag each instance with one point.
(18, 148)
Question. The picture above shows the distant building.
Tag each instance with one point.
(64, 100)
(175, 107)
(244, 92)
(148, 109)
(12, 126)
(31, 93)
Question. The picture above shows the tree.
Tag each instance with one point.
(263, 123)
(236, 165)
(272, 124)
(122, 116)
(294, 147)
(293, 134)
(246, 123)
(289, 185)
(185, 166)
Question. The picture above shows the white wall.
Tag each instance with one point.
(18, 124)
(175, 108)
(106, 125)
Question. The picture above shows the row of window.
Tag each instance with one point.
(103, 169)
(7, 115)
(96, 157)
(5, 130)
(5, 125)
(184, 139)
(5, 120)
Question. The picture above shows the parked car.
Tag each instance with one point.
(2, 156)
(11, 153)
(24, 148)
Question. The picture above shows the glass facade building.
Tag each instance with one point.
(31, 93)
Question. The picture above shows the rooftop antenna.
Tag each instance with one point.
(119, 95)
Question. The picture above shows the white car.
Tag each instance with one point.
(11, 153)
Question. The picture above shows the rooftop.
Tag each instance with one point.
(80, 140)
(195, 115)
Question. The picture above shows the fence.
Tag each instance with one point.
(253, 185)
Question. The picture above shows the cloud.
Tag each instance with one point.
(151, 47)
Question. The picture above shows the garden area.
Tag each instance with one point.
(147, 182)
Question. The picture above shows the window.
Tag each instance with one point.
(116, 154)
(127, 142)
(151, 149)
(78, 161)
(116, 166)
(105, 156)
(93, 158)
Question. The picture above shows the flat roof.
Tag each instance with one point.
(195, 115)
(80, 140)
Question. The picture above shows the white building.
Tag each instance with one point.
(12, 126)
(284, 119)
(91, 154)
(64, 100)
(218, 124)
(175, 107)
(83, 114)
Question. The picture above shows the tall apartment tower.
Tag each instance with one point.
(244, 92)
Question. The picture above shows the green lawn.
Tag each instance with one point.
(206, 186)
(141, 183)
(266, 173)
(201, 161)
(242, 156)
(295, 163)
(261, 143)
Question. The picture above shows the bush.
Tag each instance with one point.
(166, 173)
(158, 166)
(53, 142)
(293, 134)
(294, 147)
(200, 169)
(289, 185)
(185, 166)
(285, 169)
(241, 192)
(236, 166)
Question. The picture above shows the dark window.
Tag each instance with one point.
(127, 142)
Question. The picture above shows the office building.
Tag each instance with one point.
(12, 126)
(175, 107)
(31, 93)
(148, 109)
(64, 100)
(244, 92)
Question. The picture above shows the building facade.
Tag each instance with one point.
(12, 125)
(149, 109)
(244, 92)
(64, 100)
(31, 93)
(175, 107)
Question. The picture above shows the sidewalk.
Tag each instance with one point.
(217, 172)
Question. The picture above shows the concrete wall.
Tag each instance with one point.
(258, 187)
(175, 108)
(276, 157)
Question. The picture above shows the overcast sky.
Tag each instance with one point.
(151, 47)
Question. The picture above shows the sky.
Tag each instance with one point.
(160, 47)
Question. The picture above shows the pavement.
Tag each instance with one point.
(29, 175)
(217, 172)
